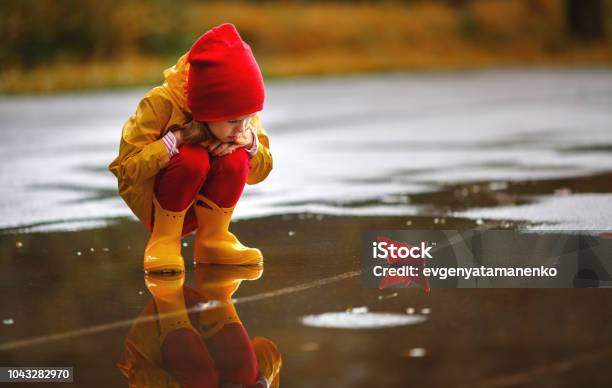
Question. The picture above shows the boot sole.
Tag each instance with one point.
(254, 261)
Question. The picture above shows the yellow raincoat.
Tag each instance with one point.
(142, 152)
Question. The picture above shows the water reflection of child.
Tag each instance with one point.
(190, 147)
(209, 348)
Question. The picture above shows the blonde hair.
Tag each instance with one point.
(197, 132)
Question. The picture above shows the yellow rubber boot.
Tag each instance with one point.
(163, 251)
(214, 242)
(218, 283)
(169, 300)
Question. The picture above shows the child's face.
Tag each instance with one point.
(228, 131)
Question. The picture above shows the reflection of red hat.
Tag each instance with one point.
(224, 79)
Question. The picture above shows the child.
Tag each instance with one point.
(189, 149)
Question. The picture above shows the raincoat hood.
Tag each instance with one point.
(175, 83)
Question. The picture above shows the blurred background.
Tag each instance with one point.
(51, 45)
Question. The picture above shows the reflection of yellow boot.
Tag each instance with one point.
(214, 242)
(163, 251)
(269, 360)
(218, 283)
(169, 299)
(142, 360)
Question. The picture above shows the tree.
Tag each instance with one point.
(585, 19)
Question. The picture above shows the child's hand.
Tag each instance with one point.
(217, 148)
(245, 139)
(178, 135)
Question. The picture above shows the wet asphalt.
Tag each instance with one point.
(503, 149)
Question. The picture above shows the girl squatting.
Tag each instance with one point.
(190, 147)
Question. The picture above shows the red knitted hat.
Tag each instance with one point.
(224, 79)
